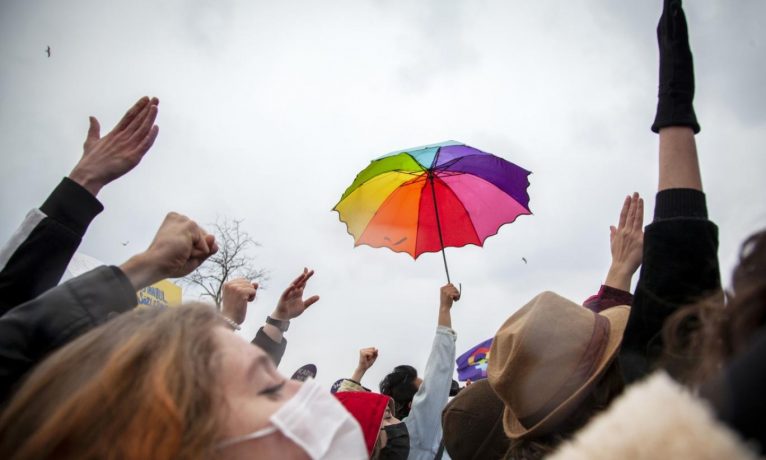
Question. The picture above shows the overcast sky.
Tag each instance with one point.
(269, 110)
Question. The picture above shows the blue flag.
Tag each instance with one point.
(473, 363)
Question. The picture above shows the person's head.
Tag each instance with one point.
(703, 335)
(386, 436)
(401, 385)
(472, 423)
(173, 383)
(551, 363)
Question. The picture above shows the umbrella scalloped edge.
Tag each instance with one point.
(438, 250)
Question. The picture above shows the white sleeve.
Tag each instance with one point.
(424, 420)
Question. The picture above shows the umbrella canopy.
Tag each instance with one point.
(427, 198)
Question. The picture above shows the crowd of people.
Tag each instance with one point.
(674, 369)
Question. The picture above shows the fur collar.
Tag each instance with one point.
(655, 419)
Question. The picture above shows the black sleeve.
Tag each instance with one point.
(679, 267)
(273, 349)
(41, 255)
(32, 330)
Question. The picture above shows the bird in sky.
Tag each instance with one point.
(48, 50)
(524, 259)
(125, 243)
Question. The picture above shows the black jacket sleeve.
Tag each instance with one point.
(32, 330)
(680, 266)
(273, 349)
(39, 252)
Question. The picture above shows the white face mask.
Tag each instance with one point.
(317, 422)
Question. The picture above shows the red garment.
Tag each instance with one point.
(368, 409)
(607, 297)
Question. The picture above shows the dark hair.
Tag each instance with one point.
(609, 387)
(702, 336)
(143, 385)
(400, 386)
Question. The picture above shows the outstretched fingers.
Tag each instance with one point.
(310, 301)
(148, 140)
(302, 279)
(638, 218)
(131, 114)
(624, 212)
(147, 121)
(631, 217)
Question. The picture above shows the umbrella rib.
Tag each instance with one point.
(470, 220)
(377, 211)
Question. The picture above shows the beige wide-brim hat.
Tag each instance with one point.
(546, 358)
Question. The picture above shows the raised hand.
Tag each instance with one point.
(448, 294)
(236, 295)
(627, 243)
(367, 357)
(178, 248)
(676, 82)
(104, 159)
(291, 303)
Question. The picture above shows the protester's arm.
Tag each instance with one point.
(447, 295)
(626, 243)
(680, 261)
(291, 305)
(36, 256)
(424, 419)
(37, 327)
(367, 357)
(607, 297)
(237, 293)
(33, 329)
(107, 158)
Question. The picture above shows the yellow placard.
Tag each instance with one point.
(160, 294)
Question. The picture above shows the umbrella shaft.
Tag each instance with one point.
(438, 223)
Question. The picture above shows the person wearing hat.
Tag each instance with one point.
(473, 421)
(554, 364)
(385, 436)
(473, 424)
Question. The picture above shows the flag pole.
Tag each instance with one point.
(438, 224)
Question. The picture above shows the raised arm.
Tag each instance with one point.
(367, 357)
(447, 296)
(424, 419)
(35, 257)
(626, 242)
(291, 305)
(680, 262)
(237, 293)
(35, 328)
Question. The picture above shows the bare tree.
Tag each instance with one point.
(233, 260)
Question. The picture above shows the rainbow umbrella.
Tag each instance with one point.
(427, 198)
